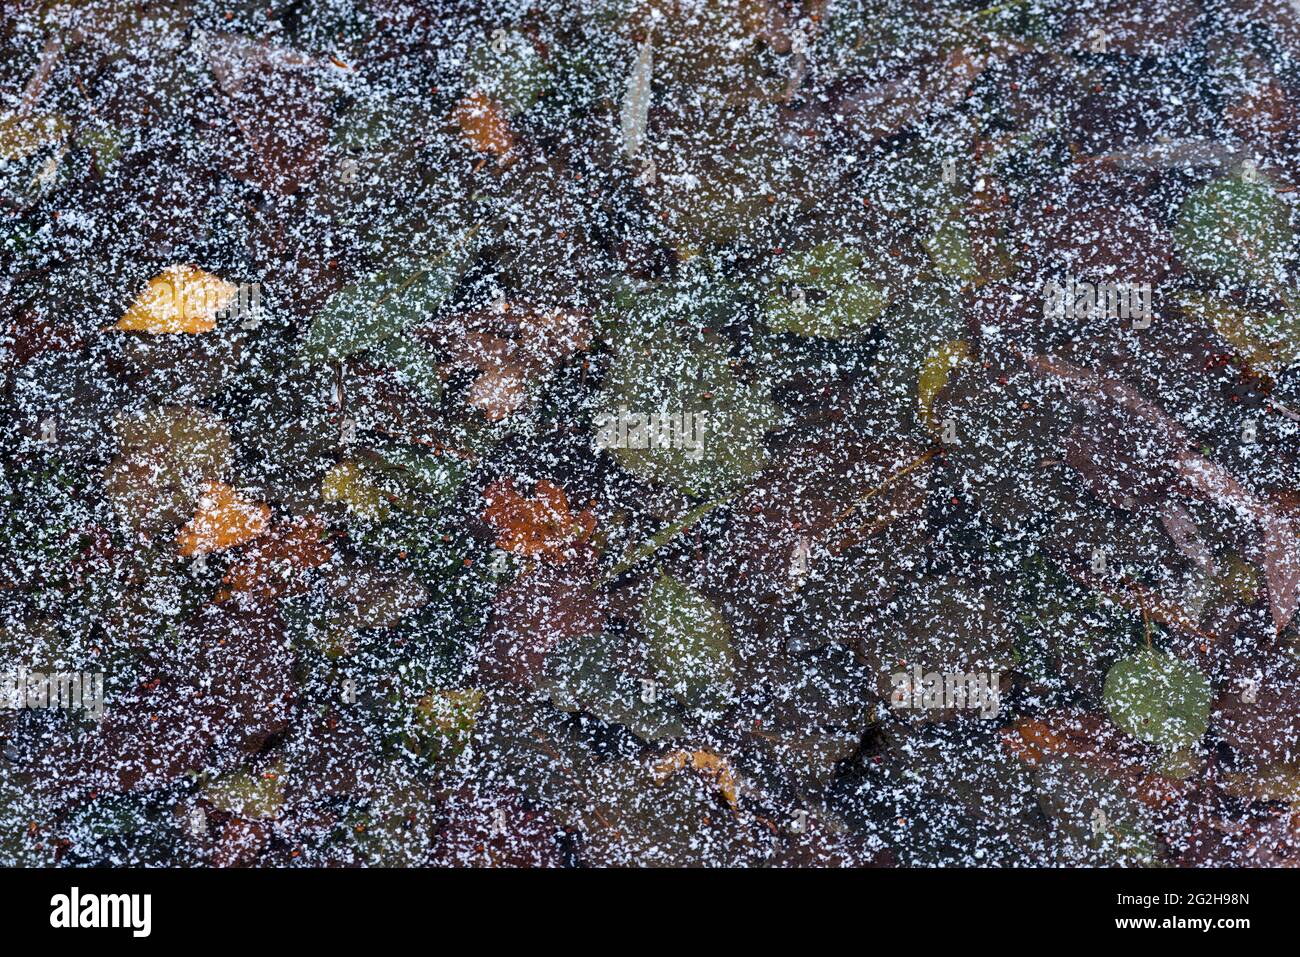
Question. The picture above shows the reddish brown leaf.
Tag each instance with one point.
(534, 613)
(497, 830)
(276, 108)
(484, 125)
(271, 567)
(513, 348)
(1095, 741)
(541, 526)
(1261, 723)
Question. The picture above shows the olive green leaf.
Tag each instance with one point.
(105, 142)
(579, 676)
(413, 364)
(690, 643)
(672, 374)
(21, 134)
(822, 293)
(1234, 229)
(444, 723)
(949, 247)
(1266, 342)
(1158, 698)
(247, 794)
(365, 315)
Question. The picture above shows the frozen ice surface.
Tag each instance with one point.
(806, 433)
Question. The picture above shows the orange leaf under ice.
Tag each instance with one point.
(541, 525)
(223, 520)
(180, 299)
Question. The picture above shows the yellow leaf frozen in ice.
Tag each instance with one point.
(223, 520)
(712, 765)
(21, 134)
(935, 372)
(180, 299)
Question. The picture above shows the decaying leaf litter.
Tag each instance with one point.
(332, 333)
